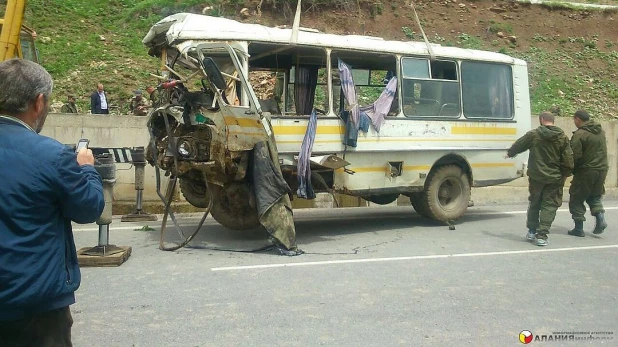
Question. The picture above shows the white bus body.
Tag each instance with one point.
(451, 122)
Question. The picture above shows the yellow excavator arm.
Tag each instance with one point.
(15, 39)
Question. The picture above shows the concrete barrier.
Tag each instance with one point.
(131, 131)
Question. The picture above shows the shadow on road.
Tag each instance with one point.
(317, 226)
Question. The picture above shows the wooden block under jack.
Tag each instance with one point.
(114, 259)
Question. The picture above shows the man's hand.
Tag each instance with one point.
(506, 156)
(85, 157)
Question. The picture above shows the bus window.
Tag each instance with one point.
(28, 49)
(487, 90)
(430, 89)
(306, 90)
(370, 72)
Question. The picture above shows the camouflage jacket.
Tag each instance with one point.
(68, 108)
(135, 108)
(551, 157)
(589, 147)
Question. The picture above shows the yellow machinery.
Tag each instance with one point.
(16, 40)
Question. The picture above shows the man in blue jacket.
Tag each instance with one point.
(43, 187)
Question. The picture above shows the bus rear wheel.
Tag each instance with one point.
(419, 202)
(231, 207)
(447, 195)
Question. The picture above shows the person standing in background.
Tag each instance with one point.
(549, 163)
(98, 101)
(69, 106)
(588, 185)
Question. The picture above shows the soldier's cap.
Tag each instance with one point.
(138, 92)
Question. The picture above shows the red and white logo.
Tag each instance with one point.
(525, 337)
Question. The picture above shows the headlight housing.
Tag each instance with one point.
(185, 149)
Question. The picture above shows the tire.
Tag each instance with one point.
(231, 207)
(448, 193)
(383, 199)
(194, 192)
(419, 202)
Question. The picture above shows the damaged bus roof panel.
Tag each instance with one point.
(187, 26)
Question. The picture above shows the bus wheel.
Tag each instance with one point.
(194, 192)
(419, 202)
(384, 199)
(231, 207)
(448, 193)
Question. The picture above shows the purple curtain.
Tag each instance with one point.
(347, 85)
(379, 109)
(305, 189)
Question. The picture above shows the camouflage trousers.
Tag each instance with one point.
(587, 186)
(545, 198)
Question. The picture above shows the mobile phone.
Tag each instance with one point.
(82, 143)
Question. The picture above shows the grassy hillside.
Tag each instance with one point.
(572, 53)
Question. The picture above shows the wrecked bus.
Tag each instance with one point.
(350, 114)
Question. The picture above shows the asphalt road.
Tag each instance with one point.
(378, 276)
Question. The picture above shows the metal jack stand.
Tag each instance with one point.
(139, 162)
(105, 254)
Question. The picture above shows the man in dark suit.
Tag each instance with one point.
(98, 101)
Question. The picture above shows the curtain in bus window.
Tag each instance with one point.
(348, 88)
(379, 109)
(305, 82)
(305, 189)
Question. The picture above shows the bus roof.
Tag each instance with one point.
(182, 27)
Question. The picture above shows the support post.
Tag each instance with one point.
(139, 162)
(104, 254)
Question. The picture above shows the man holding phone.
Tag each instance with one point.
(45, 186)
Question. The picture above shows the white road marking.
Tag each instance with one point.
(524, 212)
(139, 225)
(419, 257)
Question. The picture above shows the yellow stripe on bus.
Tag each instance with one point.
(302, 129)
(408, 141)
(464, 130)
(243, 122)
(425, 167)
(338, 130)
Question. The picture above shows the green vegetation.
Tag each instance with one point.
(408, 32)
(495, 27)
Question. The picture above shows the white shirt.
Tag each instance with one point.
(103, 100)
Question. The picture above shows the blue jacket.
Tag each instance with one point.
(42, 189)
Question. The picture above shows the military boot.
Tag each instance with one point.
(578, 230)
(601, 224)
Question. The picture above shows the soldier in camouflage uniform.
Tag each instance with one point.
(153, 96)
(549, 163)
(590, 155)
(139, 106)
(69, 106)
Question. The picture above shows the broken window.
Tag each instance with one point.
(487, 90)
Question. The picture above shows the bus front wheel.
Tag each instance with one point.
(448, 193)
(231, 207)
(195, 192)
